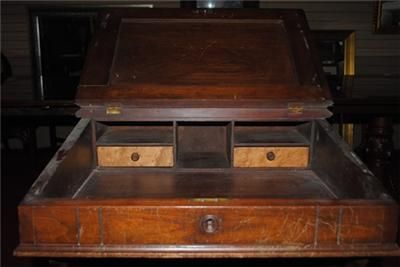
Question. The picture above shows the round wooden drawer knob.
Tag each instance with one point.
(135, 156)
(209, 224)
(270, 156)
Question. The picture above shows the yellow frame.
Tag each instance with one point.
(349, 70)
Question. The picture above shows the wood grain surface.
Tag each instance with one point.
(180, 58)
(283, 157)
(245, 228)
(148, 156)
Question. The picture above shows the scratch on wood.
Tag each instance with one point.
(124, 237)
(293, 233)
(332, 226)
(352, 213)
(285, 220)
(206, 48)
(33, 226)
(101, 226)
(264, 236)
(316, 227)
(78, 226)
(159, 230)
(339, 226)
(157, 213)
(243, 222)
(381, 227)
(303, 230)
(356, 220)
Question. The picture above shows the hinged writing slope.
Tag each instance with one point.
(182, 63)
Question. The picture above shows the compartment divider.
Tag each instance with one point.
(175, 142)
(232, 143)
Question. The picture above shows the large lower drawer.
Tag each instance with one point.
(271, 157)
(135, 156)
(196, 225)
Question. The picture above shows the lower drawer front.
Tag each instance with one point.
(135, 156)
(273, 226)
(284, 226)
(271, 157)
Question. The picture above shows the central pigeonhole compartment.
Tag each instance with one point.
(204, 144)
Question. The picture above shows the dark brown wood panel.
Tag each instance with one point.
(55, 225)
(134, 133)
(341, 168)
(365, 225)
(184, 57)
(117, 184)
(267, 227)
(95, 69)
(237, 225)
(202, 52)
(26, 232)
(248, 111)
(253, 133)
(203, 145)
(89, 229)
(71, 165)
(329, 223)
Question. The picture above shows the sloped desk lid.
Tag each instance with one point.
(161, 64)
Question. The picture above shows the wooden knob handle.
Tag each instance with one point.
(209, 224)
(135, 156)
(270, 156)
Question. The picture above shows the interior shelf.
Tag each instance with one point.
(272, 184)
(135, 134)
(264, 134)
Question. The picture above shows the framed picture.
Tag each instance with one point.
(336, 49)
(387, 17)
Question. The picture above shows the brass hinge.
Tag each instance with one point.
(113, 110)
(295, 108)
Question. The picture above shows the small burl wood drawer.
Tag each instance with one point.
(246, 157)
(135, 156)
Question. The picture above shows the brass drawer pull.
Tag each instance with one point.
(135, 156)
(209, 224)
(270, 156)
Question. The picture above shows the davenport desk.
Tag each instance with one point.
(203, 134)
